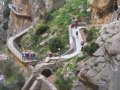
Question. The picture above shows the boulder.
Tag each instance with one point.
(91, 61)
(100, 67)
(118, 57)
(113, 44)
(100, 52)
(77, 85)
(99, 41)
(69, 75)
(100, 60)
(3, 57)
(91, 73)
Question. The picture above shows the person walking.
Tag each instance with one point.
(50, 54)
(23, 55)
(76, 22)
(30, 55)
(27, 55)
(76, 33)
(82, 44)
(118, 12)
(33, 55)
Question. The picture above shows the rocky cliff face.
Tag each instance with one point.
(17, 23)
(98, 67)
(101, 10)
(35, 8)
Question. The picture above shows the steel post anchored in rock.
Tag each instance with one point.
(116, 78)
(102, 85)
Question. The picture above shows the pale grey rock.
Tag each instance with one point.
(99, 41)
(82, 72)
(3, 57)
(100, 60)
(106, 73)
(91, 61)
(118, 57)
(80, 65)
(77, 85)
(105, 36)
(113, 44)
(100, 52)
(69, 75)
(100, 66)
(91, 73)
(44, 35)
(88, 66)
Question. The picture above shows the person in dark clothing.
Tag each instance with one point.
(27, 55)
(77, 33)
(82, 43)
(118, 12)
(76, 22)
(33, 55)
(50, 54)
(72, 22)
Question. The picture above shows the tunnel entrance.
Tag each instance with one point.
(46, 73)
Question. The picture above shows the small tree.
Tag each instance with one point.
(7, 69)
(41, 28)
(47, 17)
(55, 44)
(91, 48)
(90, 36)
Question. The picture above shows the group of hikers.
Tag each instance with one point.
(74, 22)
(49, 55)
(28, 55)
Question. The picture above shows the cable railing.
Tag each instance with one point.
(15, 49)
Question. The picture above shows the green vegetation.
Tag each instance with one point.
(56, 44)
(58, 22)
(14, 80)
(41, 28)
(92, 34)
(90, 49)
(70, 66)
(47, 17)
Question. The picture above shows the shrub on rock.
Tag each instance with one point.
(91, 48)
(55, 44)
(41, 28)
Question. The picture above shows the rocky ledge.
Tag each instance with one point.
(98, 67)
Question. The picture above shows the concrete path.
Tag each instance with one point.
(75, 44)
(15, 11)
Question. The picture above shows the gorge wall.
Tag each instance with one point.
(101, 10)
(34, 8)
(98, 67)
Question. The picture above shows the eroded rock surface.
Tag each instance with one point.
(101, 10)
(98, 67)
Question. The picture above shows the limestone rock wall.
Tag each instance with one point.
(101, 10)
(98, 67)
(54, 4)
(35, 8)
(18, 23)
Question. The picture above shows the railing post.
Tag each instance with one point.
(116, 78)
(102, 85)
